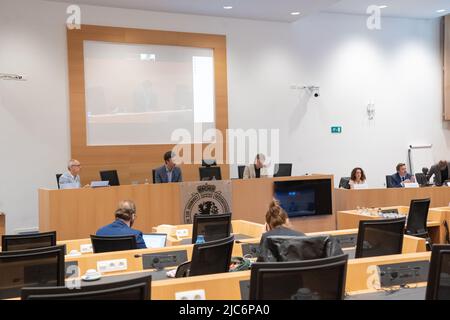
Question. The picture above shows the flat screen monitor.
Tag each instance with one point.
(300, 198)
(155, 240)
(210, 173)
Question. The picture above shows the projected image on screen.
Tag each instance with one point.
(301, 198)
(140, 94)
(297, 203)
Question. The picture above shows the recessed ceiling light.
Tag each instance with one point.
(228, 7)
(441, 10)
(296, 13)
(382, 7)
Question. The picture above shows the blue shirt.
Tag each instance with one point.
(120, 228)
(169, 175)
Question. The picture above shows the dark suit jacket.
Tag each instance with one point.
(397, 181)
(437, 174)
(120, 228)
(161, 175)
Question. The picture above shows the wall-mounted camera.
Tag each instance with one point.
(7, 76)
(314, 90)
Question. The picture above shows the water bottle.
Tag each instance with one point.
(200, 239)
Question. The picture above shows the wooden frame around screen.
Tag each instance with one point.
(134, 162)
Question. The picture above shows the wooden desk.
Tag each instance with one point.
(2, 223)
(345, 199)
(350, 219)
(241, 227)
(134, 257)
(226, 286)
(76, 214)
(444, 214)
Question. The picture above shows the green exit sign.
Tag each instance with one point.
(336, 129)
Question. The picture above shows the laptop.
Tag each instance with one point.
(155, 240)
(99, 184)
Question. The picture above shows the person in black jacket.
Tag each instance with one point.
(277, 222)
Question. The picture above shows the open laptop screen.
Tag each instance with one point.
(155, 240)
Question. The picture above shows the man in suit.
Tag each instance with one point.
(401, 177)
(125, 217)
(169, 172)
(256, 170)
(440, 172)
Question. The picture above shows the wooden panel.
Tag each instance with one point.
(134, 163)
(76, 214)
(447, 68)
(376, 198)
(2, 224)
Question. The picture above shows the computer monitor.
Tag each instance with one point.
(380, 237)
(211, 257)
(210, 173)
(282, 170)
(212, 227)
(319, 279)
(111, 176)
(438, 287)
(138, 288)
(155, 240)
(304, 197)
(113, 243)
(416, 225)
(28, 241)
(40, 267)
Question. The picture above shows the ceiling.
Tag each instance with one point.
(278, 10)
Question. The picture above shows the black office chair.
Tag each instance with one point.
(282, 170)
(131, 289)
(210, 173)
(28, 241)
(389, 182)
(344, 183)
(416, 224)
(111, 176)
(241, 170)
(154, 175)
(58, 175)
(320, 279)
(40, 267)
(380, 237)
(113, 243)
(208, 258)
(298, 248)
(438, 286)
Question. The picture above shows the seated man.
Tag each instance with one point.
(169, 172)
(401, 177)
(440, 172)
(71, 178)
(125, 217)
(256, 170)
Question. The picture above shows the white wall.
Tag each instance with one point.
(398, 67)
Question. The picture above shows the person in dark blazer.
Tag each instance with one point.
(169, 172)
(277, 223)
(440, 171)
(401, 177)
(125, 217)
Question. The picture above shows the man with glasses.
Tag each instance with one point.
(71, 178)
